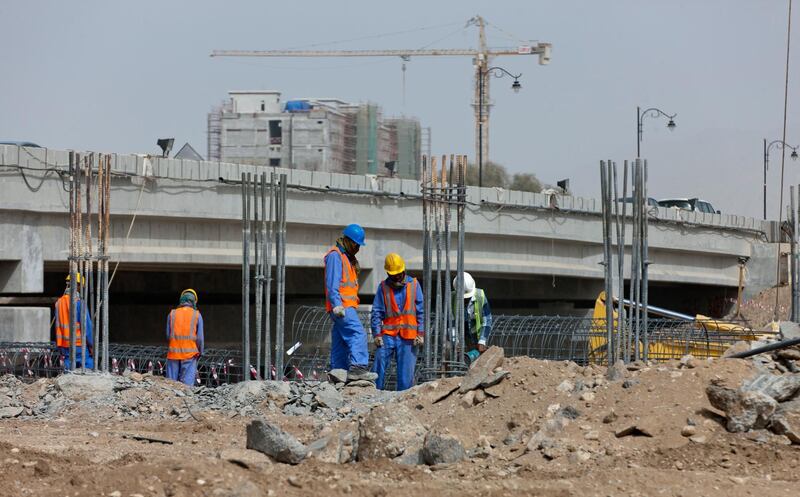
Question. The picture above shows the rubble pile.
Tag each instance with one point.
(767, 401)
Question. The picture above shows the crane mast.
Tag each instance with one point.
(481, 58)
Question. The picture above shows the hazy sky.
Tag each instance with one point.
(115, 76)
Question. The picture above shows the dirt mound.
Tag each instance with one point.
(528, 427)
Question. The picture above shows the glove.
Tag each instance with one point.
(419, 340)
(482, 348)
(338, 311)
(379, 341)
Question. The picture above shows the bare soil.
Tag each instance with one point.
(84, 452)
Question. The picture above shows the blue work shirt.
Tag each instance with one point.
(78, 318)
(379, 306)
(200, 340)
(333, 276)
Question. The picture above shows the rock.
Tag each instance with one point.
(245, 457)
(698, 439)
(482, 368)
(780, 388)
(568, 412)
(85, 386)
(636, 430)
(587, 396)
(494, 379)
(11, 411)
(361, 384)
(592, 435)
(441, 448)
(630, 383)
(245, 488)
(494, 391)
(617, 372)
(565, 386)
(271, 440)
(545, 436)
(294, 481)
(745, 410)
(337, 376)
(480, 396)
(579, 456)
(688, 431)
(610, 417)
(468, 399)
(786, 421)
(327, 396)
(789, 354)
(339, 448)
(246, 392)
(387, 431)
(442, 393)
(740, 346)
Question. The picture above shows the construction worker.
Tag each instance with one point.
(477, 317)
(397, 320)
(62, 327)
(348, 338)
(186, 340)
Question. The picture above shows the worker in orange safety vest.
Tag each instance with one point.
(186, 339)
(397, 323)
(62, 311)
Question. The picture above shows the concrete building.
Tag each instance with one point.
(312, 134)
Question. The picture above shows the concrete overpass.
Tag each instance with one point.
(187, 232)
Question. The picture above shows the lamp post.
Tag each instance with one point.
(497, 72)
(651, 112)
(780, 144)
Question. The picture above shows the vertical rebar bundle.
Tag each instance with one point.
(93, 291)
(245, 273)
(442, 190)
(791, 220)
(606, 195)
(280, 267)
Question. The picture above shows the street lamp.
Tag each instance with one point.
(497, 72)
(651, 112)
(780, 144)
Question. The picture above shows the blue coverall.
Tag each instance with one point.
(89, 341)
(185, 371)
(395, 347)
(348, 338)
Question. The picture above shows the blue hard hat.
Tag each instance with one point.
(355, 233)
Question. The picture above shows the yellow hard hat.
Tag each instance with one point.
(189, 290)
(394, 264)
(78, 278)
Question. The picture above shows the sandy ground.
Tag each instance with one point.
(85, 452)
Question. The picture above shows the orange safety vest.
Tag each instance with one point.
(397, 321)
(183, 334)
(62, 326)
(348, 286)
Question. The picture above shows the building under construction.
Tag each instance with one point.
(313, 134)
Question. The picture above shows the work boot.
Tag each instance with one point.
(358, 373)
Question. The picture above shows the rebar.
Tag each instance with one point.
(281, 268)
(426, 263)
(257, 197)
(268, 283)
(245, 269)
(645, 259)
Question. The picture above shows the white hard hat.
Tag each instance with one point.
(469, 285)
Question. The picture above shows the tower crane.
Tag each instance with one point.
(481, 58)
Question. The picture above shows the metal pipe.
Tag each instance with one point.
(426, 262)
(73, 158)
(645, 260)
(446, 206)
(281, 256)
(257, 194)
(462, 193)
(245, 274)
(268, 296)
(621, 352)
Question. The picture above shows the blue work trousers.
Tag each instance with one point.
(348, 341)
(79, 362)
(183, 371)
(404, 353)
